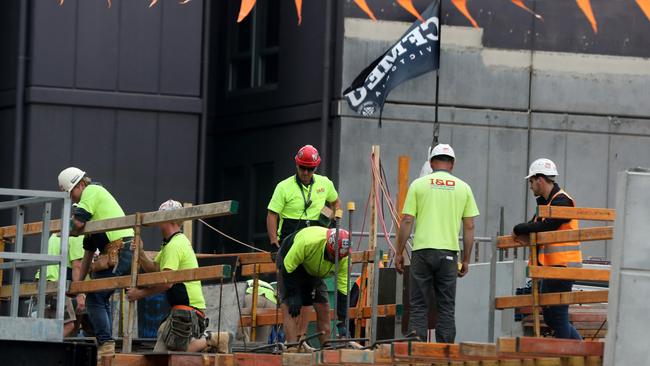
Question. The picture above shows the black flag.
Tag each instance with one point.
(416, 53)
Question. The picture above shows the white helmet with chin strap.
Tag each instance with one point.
(542, 166)
(69, 177)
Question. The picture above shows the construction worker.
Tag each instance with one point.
(183, 329)
(297, 201)
(438, 202)
(266, 299)
(304, 260)
(94, 202)
(541, 177)
(72, 306)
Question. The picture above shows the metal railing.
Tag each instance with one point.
(15, 327)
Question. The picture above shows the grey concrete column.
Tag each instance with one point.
(628, 316)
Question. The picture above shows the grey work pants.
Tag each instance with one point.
(433, 269)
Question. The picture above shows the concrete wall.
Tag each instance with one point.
(587, 112)
(627, 315)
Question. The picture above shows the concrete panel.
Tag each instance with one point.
(561, 80)
(625, 152)
(52, 43)
(97, 46)
(224, 314)
(180, 59)
(627, 314)
(506, 187)
(586, 180)
(139, 62)
(472, 301)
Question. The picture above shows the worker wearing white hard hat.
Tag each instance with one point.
(541, 177)
(436, 204)
(95, 202)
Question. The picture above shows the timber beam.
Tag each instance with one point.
(269, 316)
(559, 236)
(557, 298)
(578, 213)
(567, 273)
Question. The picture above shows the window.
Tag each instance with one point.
(254, 48)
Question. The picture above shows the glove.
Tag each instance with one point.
(295, 304)
(342, 330)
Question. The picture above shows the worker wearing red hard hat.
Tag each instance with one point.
(297, 200)
(303, 261)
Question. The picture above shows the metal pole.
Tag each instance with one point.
(493, 284)
(436, 125)
(65, 234)
(42, 278)
(16, 271)
(351, 208)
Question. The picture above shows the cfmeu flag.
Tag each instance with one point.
(416, 53)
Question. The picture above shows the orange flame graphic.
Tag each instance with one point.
(585, 6)
(362, 4)
(520, 3)
(461, 5)
(245, 9)
(645, 7)
(299, 10)
(408, 5)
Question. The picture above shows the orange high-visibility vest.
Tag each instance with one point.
(561, 254)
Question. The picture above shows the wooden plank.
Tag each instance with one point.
(207, 210)
(478, 349)
(559, 236)
(187, 225)
(249, 269)
(579, 213)
(154, 278)
(557, 298)
(564, 347)
(135, 264)
(268, 316)
(402, 181)
(372, 238)
(30, 228)
(29, 289)
(561, 273)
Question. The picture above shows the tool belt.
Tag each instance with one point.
(182, 324)
(109, 257)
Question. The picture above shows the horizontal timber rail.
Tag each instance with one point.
(268, 316)
(556, 298)
(152, 278)
(578, 213)
(562, 273)
(259, 268)
(560, 236)
(208, 210)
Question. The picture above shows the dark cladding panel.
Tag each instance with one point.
(135, 159)
(9, 41)
(48, 145)
(53, 42)
(97, 45)
(139, 62)
(178, 144)
(93, 148)
(7, 128)
(181, 48)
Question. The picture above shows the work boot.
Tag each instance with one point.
(106, 349)
(306, 348)
(221, 341)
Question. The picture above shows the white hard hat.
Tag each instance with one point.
(69, 177)
(442, 149)
(542, 166)
(170, 205)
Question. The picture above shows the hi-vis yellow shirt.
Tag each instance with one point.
(308, 250)
(288, 202)
(99, 203)
(439, 201)
(75, 252)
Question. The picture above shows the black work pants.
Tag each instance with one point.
(433, 269)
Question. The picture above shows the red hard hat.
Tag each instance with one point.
(308, 156)
(344, 242)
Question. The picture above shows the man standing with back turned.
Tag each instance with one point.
(439, 202)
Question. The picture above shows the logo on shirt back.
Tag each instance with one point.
(447, 184)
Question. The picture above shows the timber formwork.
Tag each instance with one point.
(506, 352)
